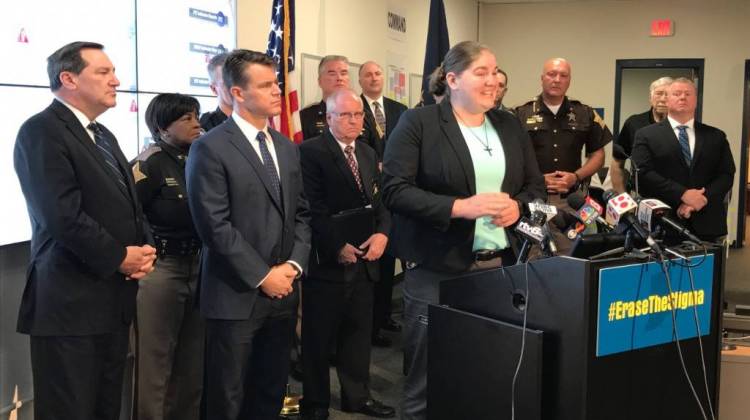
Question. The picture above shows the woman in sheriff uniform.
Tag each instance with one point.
(170, 331)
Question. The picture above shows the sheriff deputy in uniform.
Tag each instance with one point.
(333, 74)
(169, 327)
(559, 127)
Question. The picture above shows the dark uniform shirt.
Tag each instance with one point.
(314, 124)
(626, 137)
(159, 173)
(210, 120)
(559, 138)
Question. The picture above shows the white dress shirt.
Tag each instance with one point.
(81, 117)
(690, 132)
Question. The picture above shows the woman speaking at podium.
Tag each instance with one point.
(456, 177)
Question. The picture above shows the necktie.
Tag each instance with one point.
(684, 143)
(348, 150)
(269, 165)
(379, 117)
(107, 152)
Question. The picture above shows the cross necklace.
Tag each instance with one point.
(486, 142)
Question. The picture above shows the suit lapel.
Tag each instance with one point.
(673, 143)
(340, 160)
(453, 134)
(390, 117)
(285, 160)
(700, 142)
(80, 133)
(242, 144)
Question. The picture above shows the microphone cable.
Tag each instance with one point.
(523, 346)
(676, 337)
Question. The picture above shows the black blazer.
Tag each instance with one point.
(82, 219)
(393, 111)
(663, 173)
(244, 229)
(428, 166)
(331, 188)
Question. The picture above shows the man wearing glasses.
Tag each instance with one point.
(350, 225)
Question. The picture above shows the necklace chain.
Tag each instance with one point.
(486, 142)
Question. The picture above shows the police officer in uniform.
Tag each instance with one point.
(169, 327)
(559, 128)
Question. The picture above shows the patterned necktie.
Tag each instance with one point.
(348, 150)
(265, 155)
(105, 149)
(379, 117)
(684, 143)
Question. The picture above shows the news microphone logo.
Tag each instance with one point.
(648, 209)
(619, 205)
(529, 230)
(549, 211)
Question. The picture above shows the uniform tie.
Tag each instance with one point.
(265, 154)
(684, 143)
(107, 152)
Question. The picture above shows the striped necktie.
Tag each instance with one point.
(106, 150)
(684, 143)
(349, 152)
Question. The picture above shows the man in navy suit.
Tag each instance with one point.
(686, 164)
(86, 241)
(246, 197)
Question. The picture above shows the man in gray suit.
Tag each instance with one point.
(246, 197)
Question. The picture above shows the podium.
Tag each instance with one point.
(599, 340)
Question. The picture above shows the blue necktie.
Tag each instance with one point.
(265, 155)
(107, 152)
(684, 143)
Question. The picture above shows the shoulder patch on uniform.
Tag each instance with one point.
(598, 119)
(137, 174)
(148, 152)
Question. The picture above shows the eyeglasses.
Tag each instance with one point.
(349, 115)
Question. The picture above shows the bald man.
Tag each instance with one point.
(559, 128)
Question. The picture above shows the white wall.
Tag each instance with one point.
(593, 34)
(356, 28)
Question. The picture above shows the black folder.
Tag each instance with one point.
(354, 225)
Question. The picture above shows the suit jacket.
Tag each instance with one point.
(331, 188)
(663, 173)
(393, 111)
(82, 219)
(427, 166)
(245, 230)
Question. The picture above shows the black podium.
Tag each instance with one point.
(586, 357)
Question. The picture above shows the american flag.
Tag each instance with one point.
(281, 49)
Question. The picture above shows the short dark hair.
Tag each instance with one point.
(236, 62)
(68, 58)
(216, 61)
(499, 70)
(167, 108)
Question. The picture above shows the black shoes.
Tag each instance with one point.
(379, 340)
(373, 408)
(314, 414)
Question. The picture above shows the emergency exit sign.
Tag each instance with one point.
(662, 27)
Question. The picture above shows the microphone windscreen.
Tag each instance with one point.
(618, 152)
(576, 200)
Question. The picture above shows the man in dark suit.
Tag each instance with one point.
(341, 174)
(686, 164)
(381, 113)
(246, 197)
(381, 116)
(86, 243)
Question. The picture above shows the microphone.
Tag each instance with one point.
(589, 211)
(618, 152)
(550, 211)
(530, 228)
(652, 211)
(621, 209)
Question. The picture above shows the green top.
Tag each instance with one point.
(488, 158)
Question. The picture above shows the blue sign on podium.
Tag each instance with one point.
(635, 304)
